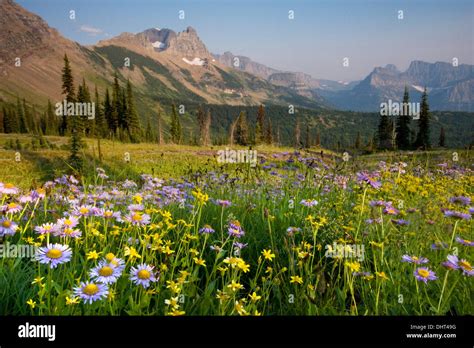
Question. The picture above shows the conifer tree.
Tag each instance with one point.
(442, 138)
(384, 133)
(423, 136)
(100, 123)
(201, 119)
(241, 130)
(357, 142)
(68, 91)
(259, 127)
(175, 128)
(307, 141)
(23, 127)
(403, 123)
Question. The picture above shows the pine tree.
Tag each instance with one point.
(307, 142)
(269, 132)
(241, 131)
(423, 136)
(149, 136)
(109, 114)
(175, 128)
(100, 122)
(201, 119)
(318, 139)
(10, 121)
(207, 128)
(68, 91)
(442, 138)
(23, 127)
(259, 127)
(132, 122)
(384, 134)
(403, 124)
(51, 120)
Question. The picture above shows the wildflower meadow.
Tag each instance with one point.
(296, 234)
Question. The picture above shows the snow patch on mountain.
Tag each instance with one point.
(418, 88)
(195, 61)
(158, 44)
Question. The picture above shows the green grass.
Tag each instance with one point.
(300, 279)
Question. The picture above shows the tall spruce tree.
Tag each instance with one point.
(132, 122)
(442, 138)
(175, 128)
(207, 128)
(307, 141)
(259, 127)
(20, 112)
(403, 123)
(423, 136)
(68, 91)
(241, 130)
(384, 133)
(201, 119)
(100, 123)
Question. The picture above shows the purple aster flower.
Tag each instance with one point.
(309, 202)
(390, 210)
(136, 207)
(400, 222)
(11, 208)
(206, 229)
(466, 267)
(461, 200)
(106, 273)
(457, 215)
(452, 262)
(471, 210)
(110, 214)
(414, 259)
(292, 230)
(7, 227)
(223, 203)
(364, 177)
(68, 232)
(138, 219)
(465, 241)
(8, 189)
(83, 210)
(239, 245)
(91, 292)
(424, 274)
(143, 275)
(235, 230)
(53, 254)
(70, 222)
(439, 245)
(46, 228)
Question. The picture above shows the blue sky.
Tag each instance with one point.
(321, 34)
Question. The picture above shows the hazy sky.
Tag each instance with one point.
(316, 41)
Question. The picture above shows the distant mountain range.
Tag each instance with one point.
(166, 65)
